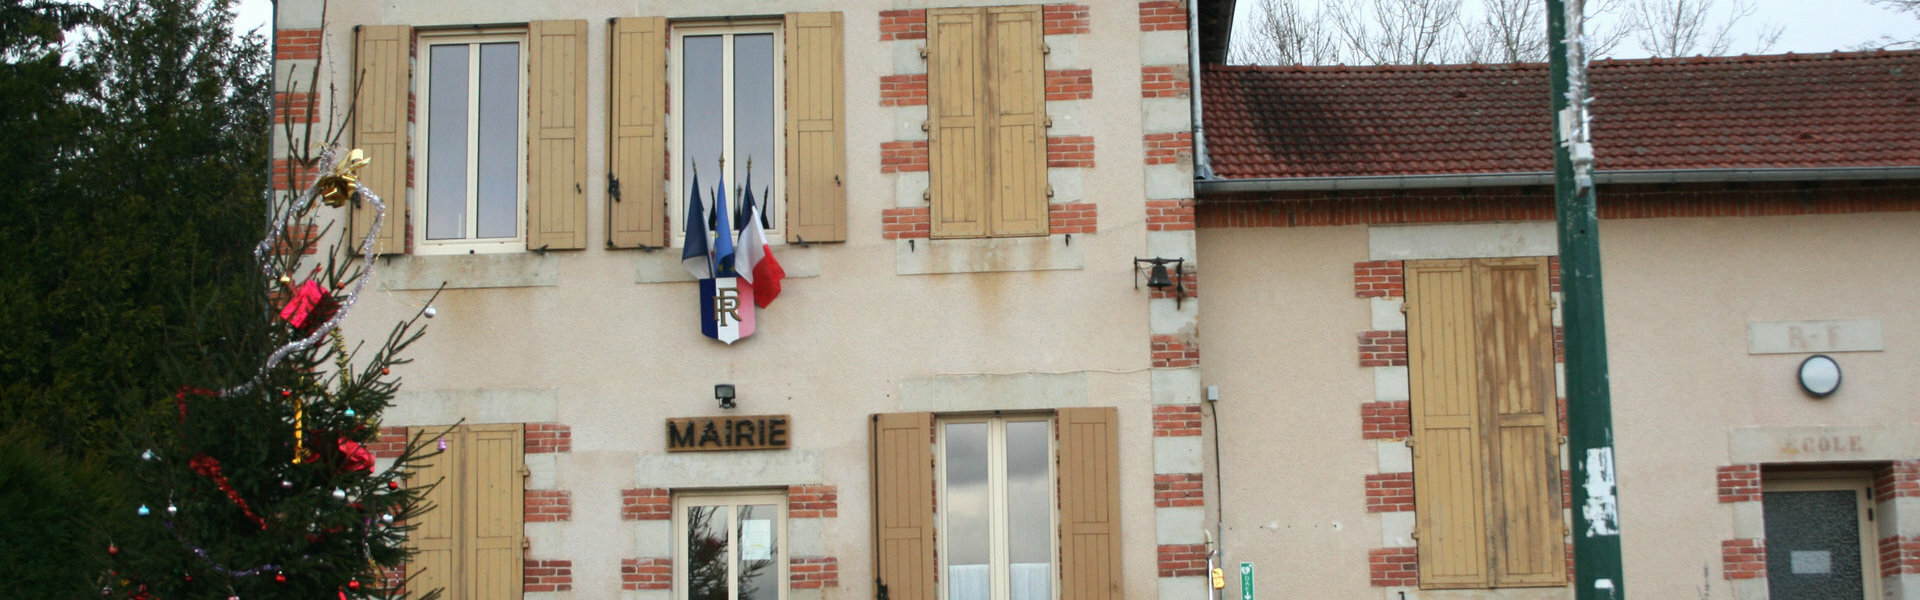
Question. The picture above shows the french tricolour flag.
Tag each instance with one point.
(753, 259)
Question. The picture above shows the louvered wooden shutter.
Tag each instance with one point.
(637, 137)
(816, 129)
(1516, 371)
(557, 135)
(380, 128)
(1017, 97)
(903, 505)
(1089, 504)
(1448, 464)
(494, 488)
(436, 539)
(958, 121)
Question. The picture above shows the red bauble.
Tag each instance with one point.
(113, 550)
(280, 577)
(353, 585)
(393, 485)
(354, 457)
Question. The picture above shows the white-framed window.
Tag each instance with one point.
(728, 105)
(730, 546)
(471, 155)
(997, 510)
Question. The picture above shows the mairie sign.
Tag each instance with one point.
(762, 432)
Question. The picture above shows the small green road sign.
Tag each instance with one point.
(1246, 581)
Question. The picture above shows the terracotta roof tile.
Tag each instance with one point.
(1813, 110)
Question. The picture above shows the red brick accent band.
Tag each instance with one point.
(1164, 81)
(391, 443)
(1167, 148)
(301, 236)
(1069, 84)
(1743, 559)
(296, 44)
(547, 576)
(809, 573)
(902, 156)
(1386, 207)
(904, 223)
(1739, 483)
(1163, 15)
(1385, 421)
(1072, 218)
(813, 501)
(281, 166)
(294, 107)
(646, 504)
(1172, 351)
(1180, 420)
(646, 574)
(1065, 19)
(394, 579)
(1170, 215)
(1069, 151)
(903, 90)
(1183, 560)
(1394, 567)
(1179, 489)
(1390, 492)
(1897, 480)
(547, 506)
(1899, 555)
(543, 438)
(1383, 348)
(1379, 279)
(903, 25)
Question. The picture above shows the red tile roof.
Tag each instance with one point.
(1810, 110)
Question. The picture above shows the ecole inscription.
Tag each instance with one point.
(763, 432)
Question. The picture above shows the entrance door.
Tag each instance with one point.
(729, 546)
(1820, 538)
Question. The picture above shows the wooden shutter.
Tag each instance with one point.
(1089, 504)
(1448, 465)
(436, 536)
(494, 488)
(1516, 374)
(637, 136)
(903, 505)
(1017, 97)
(957, 121)
(382, 66)
(816, 129)
(557, 135)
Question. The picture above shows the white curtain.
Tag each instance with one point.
(1030, 581)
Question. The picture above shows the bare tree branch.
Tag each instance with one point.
(1674, 28)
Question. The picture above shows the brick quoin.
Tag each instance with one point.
(903, 90)
(1394, 567)
(813, 501)
(1163, 15)
(646, 574)
(1072, 218)
(646, 504)
(294, 107)
(1183, 560)
(299, 236)
(1385, 421)
(1900, 479)
(1170, 215)
(282, 166)
(547, 506)
(903, 25)
(548, 437)
(1070, 151)
(1390, 492)
(1176, 420)
(809, 573)
(1899, 555)
(1069, 84)
(905, 223)
(548, 576)
(1189, 279)
(296, 44)
(1065, 19)
(1171, 351)
(1174, 490)
(1167, 148)
(1383, 348)
(903, 156)
(391, 443)
(1743, 559)
(1379, 279)
(394, 579)
(1739, 483)
(1164, 81)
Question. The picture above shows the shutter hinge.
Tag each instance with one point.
(923, 53)
(526, 473)
(526, 544)
(1049, 122)
(1403, 308)
(1046, 48)
(1049, 190)
(1416, 534)
(924, 127)
(926, 196)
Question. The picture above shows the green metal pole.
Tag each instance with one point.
(1596, 524)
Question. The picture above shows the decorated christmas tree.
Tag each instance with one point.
(263, 486)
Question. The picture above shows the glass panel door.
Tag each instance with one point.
(1817, 534)
(730, 547)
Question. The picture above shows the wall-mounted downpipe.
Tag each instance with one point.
(1202, 168)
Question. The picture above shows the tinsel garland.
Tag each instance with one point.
(210, 468)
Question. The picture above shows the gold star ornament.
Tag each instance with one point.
(337, 187)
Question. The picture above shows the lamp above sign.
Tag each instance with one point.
(763, 432)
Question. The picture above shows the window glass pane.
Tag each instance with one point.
(1029, 511)
(759, 552)
(753, 132)
(1813, 545)
(968, 527)
(707, 535)
(447, 143)
(498, 173)
(701, 82)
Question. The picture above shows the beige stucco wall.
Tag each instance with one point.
(1279, 341)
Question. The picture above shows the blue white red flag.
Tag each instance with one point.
(753, 258)
(726, 307)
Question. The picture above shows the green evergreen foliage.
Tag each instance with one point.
(61, 508)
